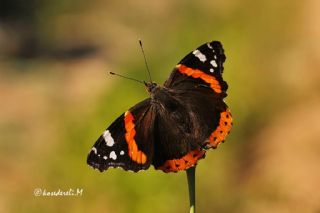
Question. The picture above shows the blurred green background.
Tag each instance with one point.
(56, 99)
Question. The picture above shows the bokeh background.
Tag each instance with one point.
(56, 99)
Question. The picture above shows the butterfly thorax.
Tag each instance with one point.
(164, 99)
(156, 91)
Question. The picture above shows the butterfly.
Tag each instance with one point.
(177, 124)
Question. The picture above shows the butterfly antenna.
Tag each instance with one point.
(145, 60)
(133, 79)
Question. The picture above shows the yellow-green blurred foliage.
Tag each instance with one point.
(56, 98)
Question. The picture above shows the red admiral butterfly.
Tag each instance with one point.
(175, 126)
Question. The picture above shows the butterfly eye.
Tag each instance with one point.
(151, 86)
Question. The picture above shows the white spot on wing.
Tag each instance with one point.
(122, 153)
(108, 138)
(199, 55)
(105, 157)
(211, 70)
(213, 63)
(113, 155)
(94, 149)
(209, 45)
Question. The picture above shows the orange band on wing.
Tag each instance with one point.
(195, 73)
(183, 163)
(134, 153)
(222, 130)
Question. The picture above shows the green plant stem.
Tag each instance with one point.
(192, 188)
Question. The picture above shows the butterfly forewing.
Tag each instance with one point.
(203, 65)
(124, 143)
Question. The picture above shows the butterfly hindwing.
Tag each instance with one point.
(124, 143)
(211, 115)
(173, 129)
(183, 125)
